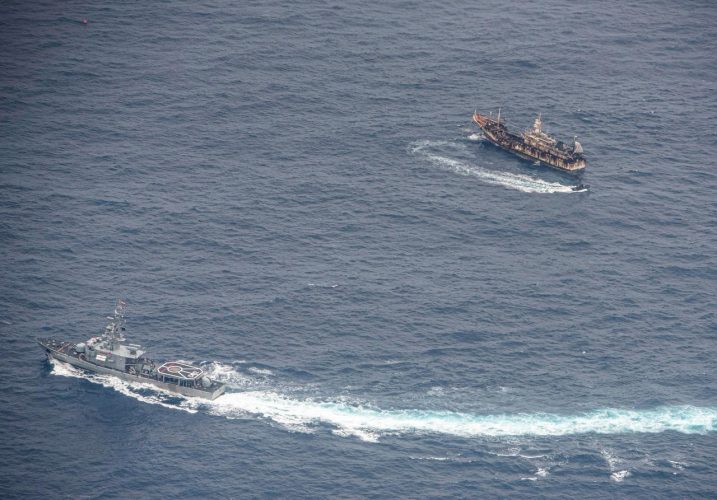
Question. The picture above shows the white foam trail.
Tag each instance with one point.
(366, 422)
(519, 182)
(228, 375)
(369, 424)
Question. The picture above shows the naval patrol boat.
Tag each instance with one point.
(533, 144)
(110, 354)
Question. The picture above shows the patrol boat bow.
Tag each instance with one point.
(533, 144)
(110, 354)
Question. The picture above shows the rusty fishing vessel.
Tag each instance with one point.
(110, 354)
(533, 144)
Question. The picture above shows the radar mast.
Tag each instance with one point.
(113, 330)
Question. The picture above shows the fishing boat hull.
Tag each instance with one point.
(543, 150)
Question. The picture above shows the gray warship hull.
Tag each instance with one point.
(64, 352)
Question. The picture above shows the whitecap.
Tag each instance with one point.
(261, 371)
(619, 476)
(542, 472)
(677, 465)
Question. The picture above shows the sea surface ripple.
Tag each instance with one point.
(293, 196)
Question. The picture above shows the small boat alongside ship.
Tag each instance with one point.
(533, 144)
(110, 354)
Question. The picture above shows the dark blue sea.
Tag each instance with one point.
(292, 195)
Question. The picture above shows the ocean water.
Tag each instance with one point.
(293, 196)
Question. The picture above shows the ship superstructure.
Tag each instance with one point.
(533, 144)
(110, 353)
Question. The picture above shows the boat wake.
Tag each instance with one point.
(431, 151)
(351, 418)
(371, 423)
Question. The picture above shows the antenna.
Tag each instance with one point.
(498, 115)
(113, 330)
